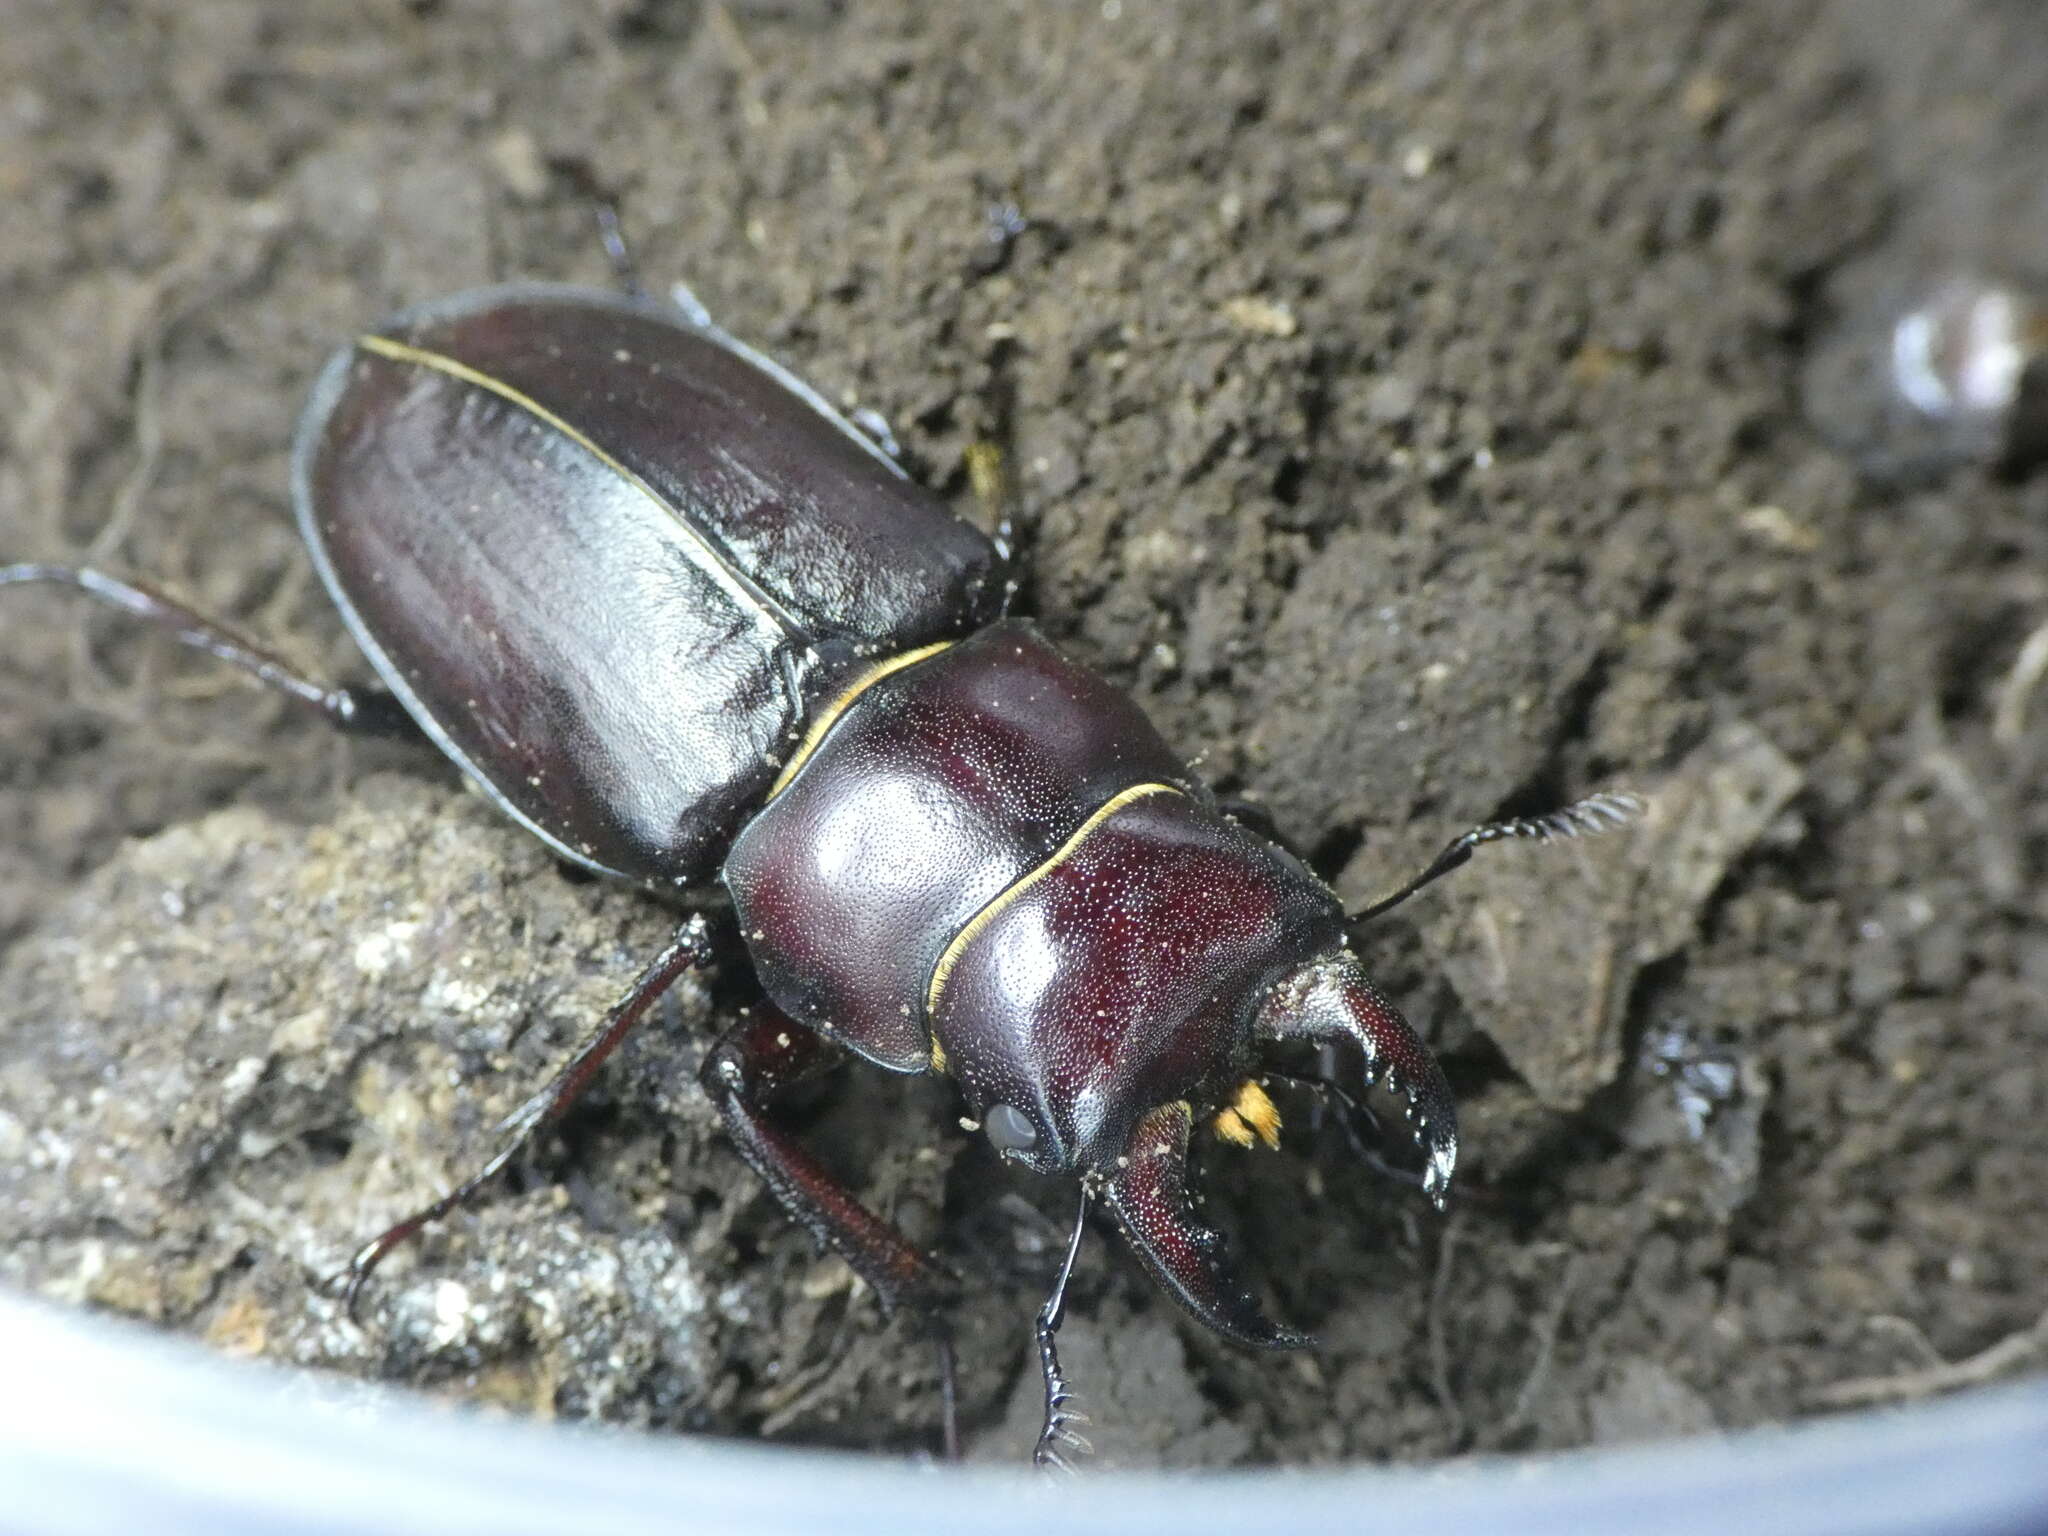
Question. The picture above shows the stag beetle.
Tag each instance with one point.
(679, 618)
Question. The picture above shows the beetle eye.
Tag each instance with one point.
(1009, 1130)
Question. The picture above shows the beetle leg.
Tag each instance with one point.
(1149, 1196)
(687, 949)
(752, 1065)
(1595, 813)
(362, 711)
(1057, 1434)
(611, 233)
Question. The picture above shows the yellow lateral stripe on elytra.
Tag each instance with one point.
(713, 562)
(1011, 892)
(839, 706)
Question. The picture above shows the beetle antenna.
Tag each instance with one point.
(1582, 818)
(605, 197)
(1058, 1436)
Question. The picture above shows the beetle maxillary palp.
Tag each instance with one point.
(1250, 1117)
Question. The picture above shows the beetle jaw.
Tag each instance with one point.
(1330, 1001)
(1147, 1192)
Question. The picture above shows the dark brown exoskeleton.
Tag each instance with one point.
(676, 616)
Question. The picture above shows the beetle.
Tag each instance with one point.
(678, 617)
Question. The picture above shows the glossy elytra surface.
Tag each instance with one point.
(611, 560)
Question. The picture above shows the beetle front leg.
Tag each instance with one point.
(751, 1066)
(1056, 1434)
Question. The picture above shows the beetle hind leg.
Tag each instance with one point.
(752, 1065)
(360, 711)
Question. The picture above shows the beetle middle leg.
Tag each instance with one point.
(752, 1065)
(687, 949)
(364, 711)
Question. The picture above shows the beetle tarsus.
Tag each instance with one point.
(1057, 1434)
(348, 1285)
(611, 235)
(949, 1392)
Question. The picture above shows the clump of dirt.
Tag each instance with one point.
(1404, 402)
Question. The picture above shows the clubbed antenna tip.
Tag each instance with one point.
(1601, 812)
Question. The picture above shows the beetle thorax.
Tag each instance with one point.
(988, 863)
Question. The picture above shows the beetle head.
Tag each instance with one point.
(1128, 988)
(1326, 1001)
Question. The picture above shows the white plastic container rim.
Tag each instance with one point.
(107, 1427)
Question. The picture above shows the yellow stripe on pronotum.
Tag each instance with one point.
(1010, 893)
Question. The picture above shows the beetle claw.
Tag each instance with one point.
(347, 1284)
(1048, 1459)
(1058, 1436)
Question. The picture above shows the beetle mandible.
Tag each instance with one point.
(678, 617)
